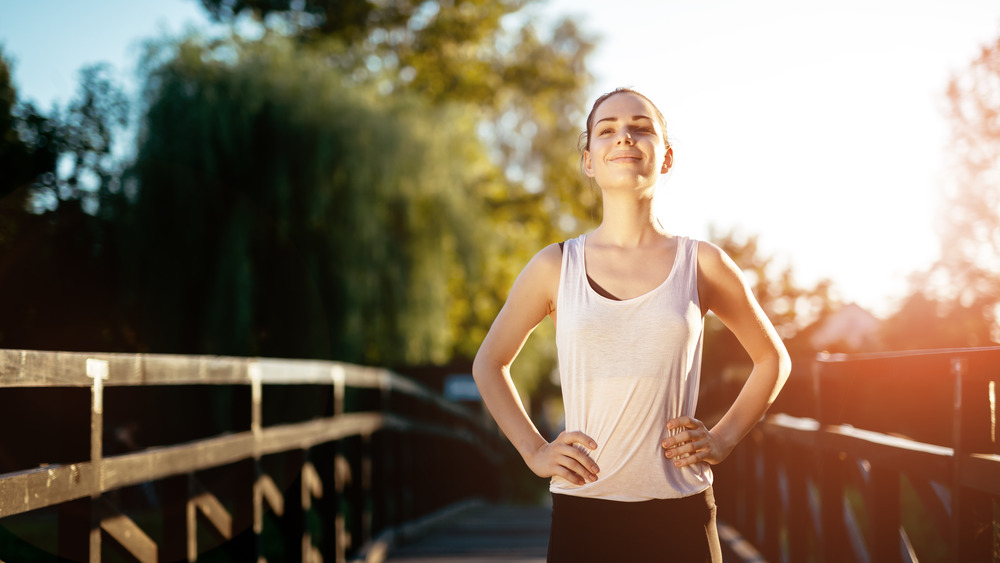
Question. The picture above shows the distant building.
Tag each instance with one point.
(849, 329)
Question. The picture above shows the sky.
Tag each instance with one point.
(818, 126)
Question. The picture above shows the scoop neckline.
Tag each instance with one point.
(591, 290)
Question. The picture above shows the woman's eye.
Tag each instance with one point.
(606, 131)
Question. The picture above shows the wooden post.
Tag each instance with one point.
(971, 511)
(174, 492)
(366, 488)
(833, 540)
(883, 505)
(98, 371)
(798, 519)
(772, 501)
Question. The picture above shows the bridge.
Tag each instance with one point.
(113, 457)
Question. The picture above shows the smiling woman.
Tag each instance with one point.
(631, 474)
(630, 138)
(784, 129)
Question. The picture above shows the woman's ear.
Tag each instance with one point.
(588, 164)
(668, 160)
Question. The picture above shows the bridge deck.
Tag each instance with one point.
(479, 534)
(518, 534)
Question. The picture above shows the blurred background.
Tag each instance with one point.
(362, 181)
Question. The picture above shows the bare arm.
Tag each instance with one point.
(531, 299)
(723, 290)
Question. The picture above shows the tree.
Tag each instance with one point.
(281, 213)
(522, 88)
(57, 282)
(968, 275)
(527, 86)
(955, 303)
(27, 138)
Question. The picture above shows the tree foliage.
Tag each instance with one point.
(970, 262)
(362, 183)
(955, 303)
(27, 138)
(57, 282)
(294, 216)
(523, 86)
(527, 83)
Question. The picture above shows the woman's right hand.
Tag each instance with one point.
(562, 457)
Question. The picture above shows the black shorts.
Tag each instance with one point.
(597, 530)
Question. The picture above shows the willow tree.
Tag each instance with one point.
(281, 210)
(524, 85)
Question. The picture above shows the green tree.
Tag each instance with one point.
(57, 282)
(27, 139)
(522, 86)
(280, 212)
(525, 87)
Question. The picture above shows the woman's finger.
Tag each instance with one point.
(580, 462)
(577, 437)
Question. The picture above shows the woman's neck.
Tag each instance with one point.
(628, 221)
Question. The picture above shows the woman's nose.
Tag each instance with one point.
(625, 137)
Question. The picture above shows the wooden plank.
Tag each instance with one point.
(468, 531)
(304, 435)
(214, 512)
(264, 489)
(129, 535)
(30, 368)
(158, 463)
(30, 490)
(925, 461)
(37, 488)
(980, 472)
(312, 485)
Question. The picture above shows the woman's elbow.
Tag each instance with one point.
(784, 366)
(484, 366)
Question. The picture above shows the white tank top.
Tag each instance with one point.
(626, 368)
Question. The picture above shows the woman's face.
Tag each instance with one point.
(627, 147)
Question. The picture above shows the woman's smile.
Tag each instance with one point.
(626, 157)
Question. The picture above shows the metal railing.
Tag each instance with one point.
(246, 458)
(881, 457)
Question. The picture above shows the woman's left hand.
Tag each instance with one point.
(691, 443)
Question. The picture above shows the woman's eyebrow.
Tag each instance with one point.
(634, 118)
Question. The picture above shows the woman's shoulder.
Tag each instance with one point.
(712, 260)
(710, 255)
(547, 261)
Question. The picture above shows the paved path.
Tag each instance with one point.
(482, 533)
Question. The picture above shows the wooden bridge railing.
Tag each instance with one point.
(883, 457)
(166, 458)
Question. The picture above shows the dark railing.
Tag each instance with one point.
(166, 458)
(882, 457)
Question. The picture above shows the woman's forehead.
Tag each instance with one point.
(624, 105)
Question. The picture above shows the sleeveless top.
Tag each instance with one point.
(626, 368)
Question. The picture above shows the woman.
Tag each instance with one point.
(630, 476)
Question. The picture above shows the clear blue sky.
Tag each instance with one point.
(51, 40)
(818, 125)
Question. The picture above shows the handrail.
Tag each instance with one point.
(845, 463)
(318, 441)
